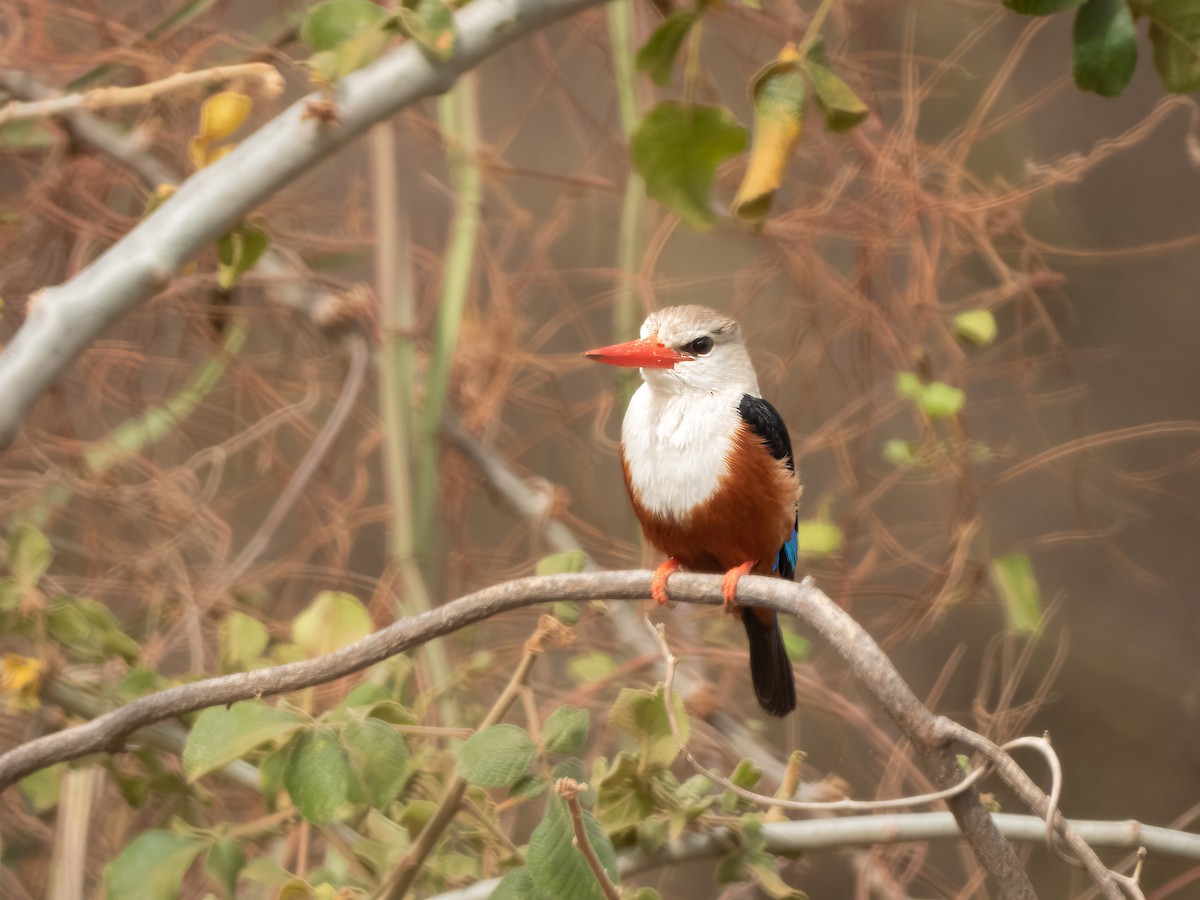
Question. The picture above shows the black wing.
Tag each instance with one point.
(765, 421)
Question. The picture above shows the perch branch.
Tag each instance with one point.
(930, 734)
(64, 320)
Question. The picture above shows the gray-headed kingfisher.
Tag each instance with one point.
(709, 469)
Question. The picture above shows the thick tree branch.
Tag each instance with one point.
(930, 734)
(64, 320)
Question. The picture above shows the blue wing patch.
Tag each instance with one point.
(785, 559)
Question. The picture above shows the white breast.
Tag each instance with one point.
(676, 446)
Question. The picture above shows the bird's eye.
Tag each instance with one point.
(701, 345)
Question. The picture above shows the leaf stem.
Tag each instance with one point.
(813, 33)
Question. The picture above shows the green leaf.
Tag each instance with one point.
(1105, 49)
(29, 556)
(642, 893)
(899, 453)
(379, 759)
(566, 729)
(89, 630)
(762, 868)
(558, 867)
(978, 326)
(797, 646)
(1175, 35)
(1018, 588)
(42, 788)
(573, 768)
(842, 107)
(333, 22)
(642, 714)
(528, 787)
(623, 795)
(936, 399)
(517, 884)
(152, 866)
(677, 147)
(566, 563)
(777, 93)
(816, 539)
(317, 776)
(139, 682)
(223, 865)
(242, 640)
(746, 774)
(496, 756)
(330, 622)
(657, 56)
(221, 735)
(941, 400)
(237, 252)
(1040, 7)
(590, 667)
(431, 24)
(565, 611)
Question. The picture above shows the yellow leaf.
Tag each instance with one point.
(778, 94)
(219, 152)
(20, 681)
(198, 151)
(222, 114)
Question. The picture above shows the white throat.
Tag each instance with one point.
(676, 445)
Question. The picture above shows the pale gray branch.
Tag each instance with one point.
(794, 838)
(64, 320)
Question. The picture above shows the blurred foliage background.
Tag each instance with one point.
(1024, 549)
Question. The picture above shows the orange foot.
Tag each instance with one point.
(658, 584)
(729, 584)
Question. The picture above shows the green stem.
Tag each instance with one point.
(813, 32)
(459, 117)
(397, 359)
(627, 311)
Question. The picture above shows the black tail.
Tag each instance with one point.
(770, 668)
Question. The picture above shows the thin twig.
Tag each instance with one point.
(107, 97)
(568, 789)
(405, 874)
(672, 661)
(359, 354)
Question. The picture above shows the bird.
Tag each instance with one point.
(709, 470)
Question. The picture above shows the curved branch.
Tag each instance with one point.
(64, 320)
(795, 838)
(929, 734)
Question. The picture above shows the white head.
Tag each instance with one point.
(685, 349)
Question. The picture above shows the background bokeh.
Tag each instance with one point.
(983, 178)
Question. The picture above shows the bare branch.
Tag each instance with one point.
(568, 789)
(782, 802)
(103, 97)
(930, 734)
(64, 320)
